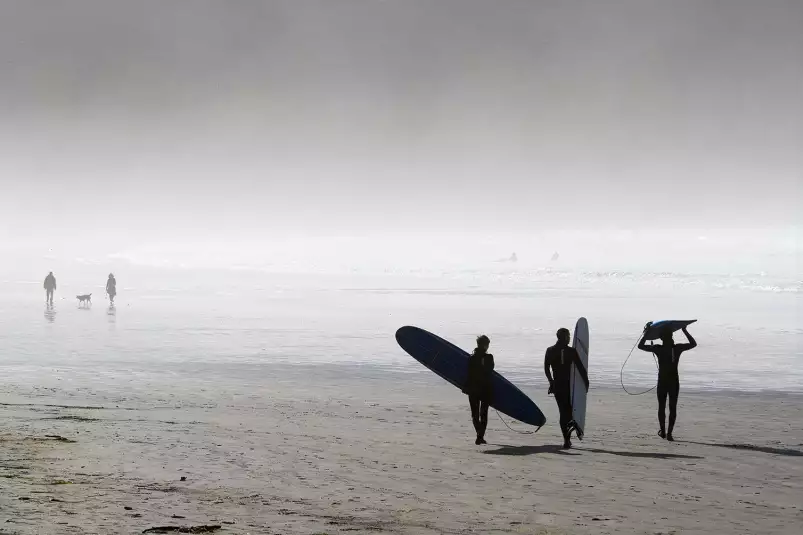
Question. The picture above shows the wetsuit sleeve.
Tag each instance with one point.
(547, 371)
(648, 348)
(692, 342)
(490, 363)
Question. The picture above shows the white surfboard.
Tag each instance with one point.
(578, 386)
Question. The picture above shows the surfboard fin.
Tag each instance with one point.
(577, 431)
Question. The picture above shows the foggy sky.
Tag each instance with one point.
(148, 117)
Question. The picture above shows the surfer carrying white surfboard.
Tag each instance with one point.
(560, 358)
(478, 386)
(668, 355)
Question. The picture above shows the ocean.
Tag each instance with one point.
(186, 328)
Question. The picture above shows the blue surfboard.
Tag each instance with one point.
(451, 363)
(658, 328)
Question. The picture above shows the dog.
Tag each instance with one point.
(85, 299)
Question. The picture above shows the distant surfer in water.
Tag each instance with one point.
(50, 287)
(478, 386)
(560, 358)
(111, 288)
(668, 355)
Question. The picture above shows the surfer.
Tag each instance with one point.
(111, 288)
(478, 386)
(668, 355)
(50, 287)
(560, 358)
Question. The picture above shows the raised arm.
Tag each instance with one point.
(692, 342)
(643, 342)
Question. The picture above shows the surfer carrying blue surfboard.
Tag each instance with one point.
(558, 367)
(478, 386)
(668, 355)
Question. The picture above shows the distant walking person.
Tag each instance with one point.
(111, 288)
(668, 355)
(560, 358)
(478, 386)
(50, 287)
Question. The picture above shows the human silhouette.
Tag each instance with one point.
(558, 362)
(111, 288)
(50, 287)
(668, 355)
(478, 386)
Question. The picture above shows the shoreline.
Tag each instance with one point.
(254, 370)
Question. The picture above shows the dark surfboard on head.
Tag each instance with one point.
(451, 363)
(659, 328)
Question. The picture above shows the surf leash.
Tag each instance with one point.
(515, 431)
(622, 371)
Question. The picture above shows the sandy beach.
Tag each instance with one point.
(368, 451)
(216, 216)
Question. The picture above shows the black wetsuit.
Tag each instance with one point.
(478, 388)
(560, 358)
(668, 380)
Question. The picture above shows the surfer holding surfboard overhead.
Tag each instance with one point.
(478, 386)
(560, 358)
(668, 356)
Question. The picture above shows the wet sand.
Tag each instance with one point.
(311, 452)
